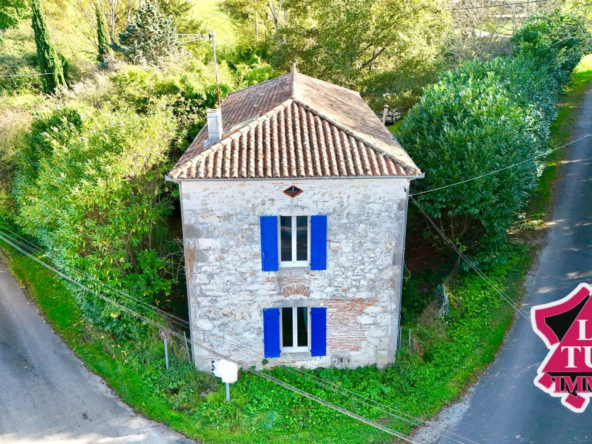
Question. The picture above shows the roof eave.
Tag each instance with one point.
(202, 179)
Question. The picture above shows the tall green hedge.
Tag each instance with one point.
(485, 116)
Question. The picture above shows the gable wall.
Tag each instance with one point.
(360, 288)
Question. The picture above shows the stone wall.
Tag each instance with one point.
(361, 287)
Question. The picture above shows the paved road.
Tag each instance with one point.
(505, 406)
(46, 393)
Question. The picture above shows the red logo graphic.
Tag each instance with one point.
(566, 328)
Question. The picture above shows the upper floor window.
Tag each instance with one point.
(293, 241)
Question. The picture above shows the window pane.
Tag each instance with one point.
(286, 238)
(287, 324)
(301, 238)
(302, 327)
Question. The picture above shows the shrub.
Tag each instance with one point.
(464, 126)
(89, 186)
(485, 116)
(556, 41)
(183, 93)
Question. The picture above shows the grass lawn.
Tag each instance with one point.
(445, 354)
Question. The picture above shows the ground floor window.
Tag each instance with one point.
(295, 328)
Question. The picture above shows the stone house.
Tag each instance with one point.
(294, 203)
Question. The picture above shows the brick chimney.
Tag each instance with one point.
(214, 126)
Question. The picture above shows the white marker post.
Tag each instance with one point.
(227, 371)
(165, 335)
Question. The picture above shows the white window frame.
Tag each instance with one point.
(294, 263)
(294, 348)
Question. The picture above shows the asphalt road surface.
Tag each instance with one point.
(48, 396)
(505, 406)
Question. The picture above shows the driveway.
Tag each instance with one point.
(47, 395)
(505, 406)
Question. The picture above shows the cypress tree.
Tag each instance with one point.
(102, 36)
(49, 59)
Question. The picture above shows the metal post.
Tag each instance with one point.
(186, 347)
(216, 66)
(166, 352)
(227, 391)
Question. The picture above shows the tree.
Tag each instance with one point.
(150, 37)
(89, 187)
(102, 36)
(12, 12)
(555, 40)
(365, 45)
(476, 120)
(51, 63)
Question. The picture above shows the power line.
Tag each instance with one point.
(531, 159)
(497, 5)
(509, 300)
(319, 381)
(214, 352)
(28, 75)
(36, 249)
(315, 379)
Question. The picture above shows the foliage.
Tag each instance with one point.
(556, 41)
(260, 411)
(480, 118)
(463, 127)
(12, 12)
(355, 44)
(183, 93)
(150, 38)
(13, 124)
(51, 64)
(89, 186)
(102, 36)
(25, 69)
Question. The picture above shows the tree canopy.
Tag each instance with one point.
(12, 12)
(350, 43)
(150, 37)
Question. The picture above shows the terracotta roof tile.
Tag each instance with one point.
(296, 126)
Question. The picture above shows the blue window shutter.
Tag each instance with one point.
(269, 243)
(271, 332)
(318, 331)
(318, 242)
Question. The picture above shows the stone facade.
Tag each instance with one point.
(361, 286)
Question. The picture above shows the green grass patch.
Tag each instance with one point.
(445, 355)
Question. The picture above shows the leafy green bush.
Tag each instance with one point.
(12, 12)
(184, 93)
(89, 185)
(485, 116)
(24, 69)
(556, 41)
(464, 126)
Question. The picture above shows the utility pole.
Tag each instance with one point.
(256, 21)
(188, 38)
(216, 66)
